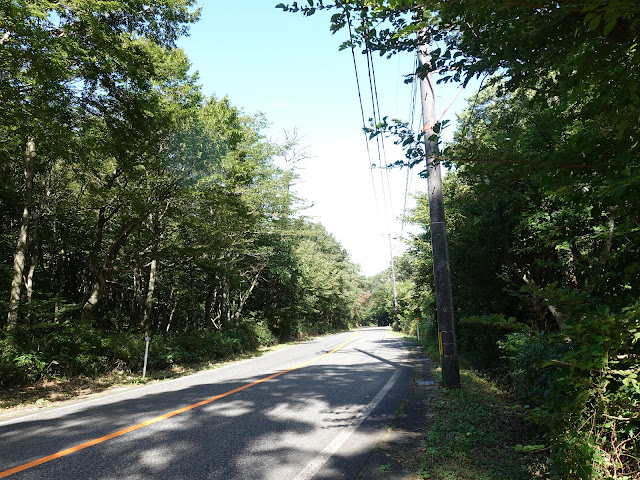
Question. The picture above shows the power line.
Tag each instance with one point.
(376, 119)
(386, 192)
(404, 208)
(355, 67)
(387, 197)
(376, 105)
(412, 119)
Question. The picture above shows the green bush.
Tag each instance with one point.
(480, 345)
(581, 384)
(48, 350)
(524, 355)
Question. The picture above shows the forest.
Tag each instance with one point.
(542, 200)
(133, 205)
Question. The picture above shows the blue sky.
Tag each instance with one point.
(289, 67)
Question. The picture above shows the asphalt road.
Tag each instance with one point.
(313, 410)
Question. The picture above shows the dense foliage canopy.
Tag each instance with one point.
(135, 206)
(543, 197)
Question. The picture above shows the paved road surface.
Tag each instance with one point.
(313, 410)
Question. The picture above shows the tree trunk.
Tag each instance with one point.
(172, 305)
(94, 298)
(244, 297)
(96, 292)
(226, 295)
(138, 295)
(21, 248)
(29, 284)
(33, 261)
(208, 306)
(173, 310)
(605, 252)
(103, 271)
(148, 304)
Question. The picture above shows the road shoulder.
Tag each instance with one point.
(396, 454)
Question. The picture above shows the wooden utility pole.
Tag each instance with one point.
(444, 300)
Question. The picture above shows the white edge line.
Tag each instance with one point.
(314, 466)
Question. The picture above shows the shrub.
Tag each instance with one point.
(581, 384)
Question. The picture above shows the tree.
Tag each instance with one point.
(563, 255)
(63, 56)
(543, 201)
(545, 47)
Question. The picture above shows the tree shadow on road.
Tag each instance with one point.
(260, 432)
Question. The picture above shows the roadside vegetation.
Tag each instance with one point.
(478, 435)
(479, 431)
(543, 201)
(134, 205)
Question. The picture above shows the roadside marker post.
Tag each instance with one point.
(146, 356)
(124, 431)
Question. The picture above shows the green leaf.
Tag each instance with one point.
(529, 448)
(609, 26)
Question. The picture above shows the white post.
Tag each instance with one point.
(146, 356)
(418, 327)
(396, 322)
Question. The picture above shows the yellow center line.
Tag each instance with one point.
(95, 441)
